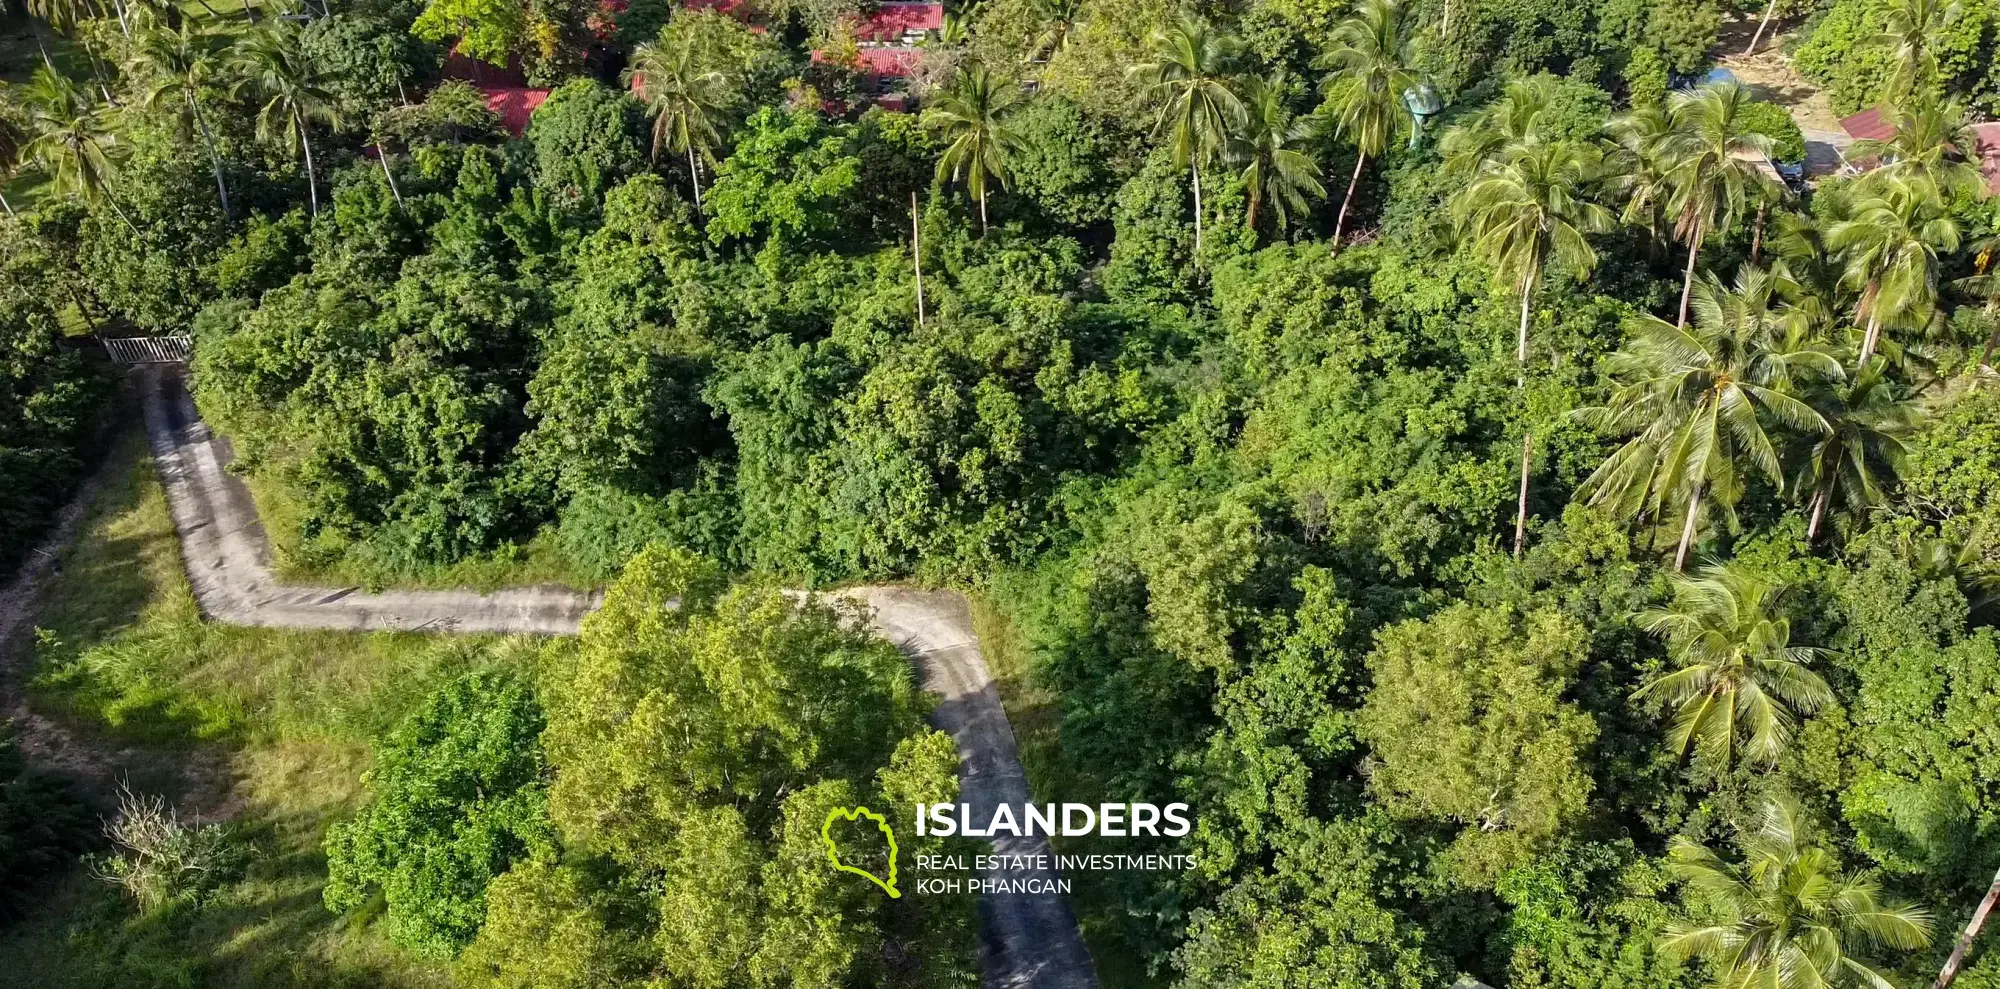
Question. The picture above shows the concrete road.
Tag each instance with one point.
(1027, 941)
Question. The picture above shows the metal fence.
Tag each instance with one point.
(150, 350)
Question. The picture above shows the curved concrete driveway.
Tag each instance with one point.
(1026, 941)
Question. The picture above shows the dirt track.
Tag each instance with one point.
(1025, 940)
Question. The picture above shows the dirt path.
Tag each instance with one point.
(1026, 941)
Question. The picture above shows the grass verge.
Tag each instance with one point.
(285, 719)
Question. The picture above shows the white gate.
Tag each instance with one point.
(150, 350)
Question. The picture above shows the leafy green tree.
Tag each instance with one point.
(788, 178)
(1068, 161)
(1892, 244)
(587, 138)
(1274, 169)
(1369, 61)
(1740, 683)
(686, 101)
(556, 926)
(1468, 723)
(1694, 401)
(371, 62)
(459, 797)
(72, 138)
(1932, 144)
(1910, 31)
(1710, 160)
(1788, 916)
(1853, 465)
(182, 65)
(486, 29)
(974, 116)
(1199, 109)
(274, 68)
(1519, 212)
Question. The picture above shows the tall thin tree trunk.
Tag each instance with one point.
(1957, 959)
(1194, 180)
(1521, 512)
(1818, 512)
(41, 42)
(1869, 339)
(5, 205)
(1251, 220)
(214, 159)
(917, 254)
(1757, 235)
(1687, 278)
(1340, 222)
(1769, 9)
(1527, 296)
(249, 11)
(1687, 530)
(312, 181)
(982, 212)
(694, 176)
(382, 155)
(1986, 359)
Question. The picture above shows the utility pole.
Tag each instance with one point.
(917, 254)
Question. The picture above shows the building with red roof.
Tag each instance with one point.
(514, 105)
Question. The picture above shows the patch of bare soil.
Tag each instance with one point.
(1770, 76)
(198, 779)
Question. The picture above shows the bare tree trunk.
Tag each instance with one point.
(1818, 512)
(382, 155)
(982, 212)
(1521, 513)
(1194, 179)
(1687, 530)
(41, 42)
(694, 176)
(1687, 279)
(5, 205)
(1769, 9)
(214, 159)
(917, 254)
(1957, 959)
(1757, 235)
(1870, 338)
(312, 181)
(1340, 222)
(1986, 359)
(1527, 296)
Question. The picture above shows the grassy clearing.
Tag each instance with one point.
(123, 661)
(330, 559)
(1036, 716)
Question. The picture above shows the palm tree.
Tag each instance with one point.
(1933, 143)
(973, 116)
(1368, 59)
(1910, 30)
(1854, 462)
(1189, 74)
(1736, 670)
(1711, 158)
(1521, 211)
(685, 100)
(1790, 918)
(71, 138)
(1694, 399)
(1514, 118)
(1274, 170)
(275, 69)
(1984, 283)
(1057, 19)
(1637, 174)
(180, 65)
(1891, 244)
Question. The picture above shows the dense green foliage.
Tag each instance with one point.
(1497, 559)
(41, 825)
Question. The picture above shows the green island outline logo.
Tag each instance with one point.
(833, 850)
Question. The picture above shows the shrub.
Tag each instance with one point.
(161, 860)
(1776, 123)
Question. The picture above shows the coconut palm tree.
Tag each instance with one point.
(1933, 143)
(1984, 284)
(1891, 245)
(1910, 30)
(274, 68)
(70, 138)
(178, 67)
(1636, 173)
(1275, 171)
(1786, 916)
(972, 114)
(1711, 161)
(1519, 212)
(1057, 19)
(686, 101)
(1736, 672)
(1189, 74)
(1853, 464)
(1368, 59)
(1694, 401)
(1516, 117)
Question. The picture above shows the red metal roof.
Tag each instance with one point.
(514, 104)
(890, 21)
(881, 61)
(1869, 125)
